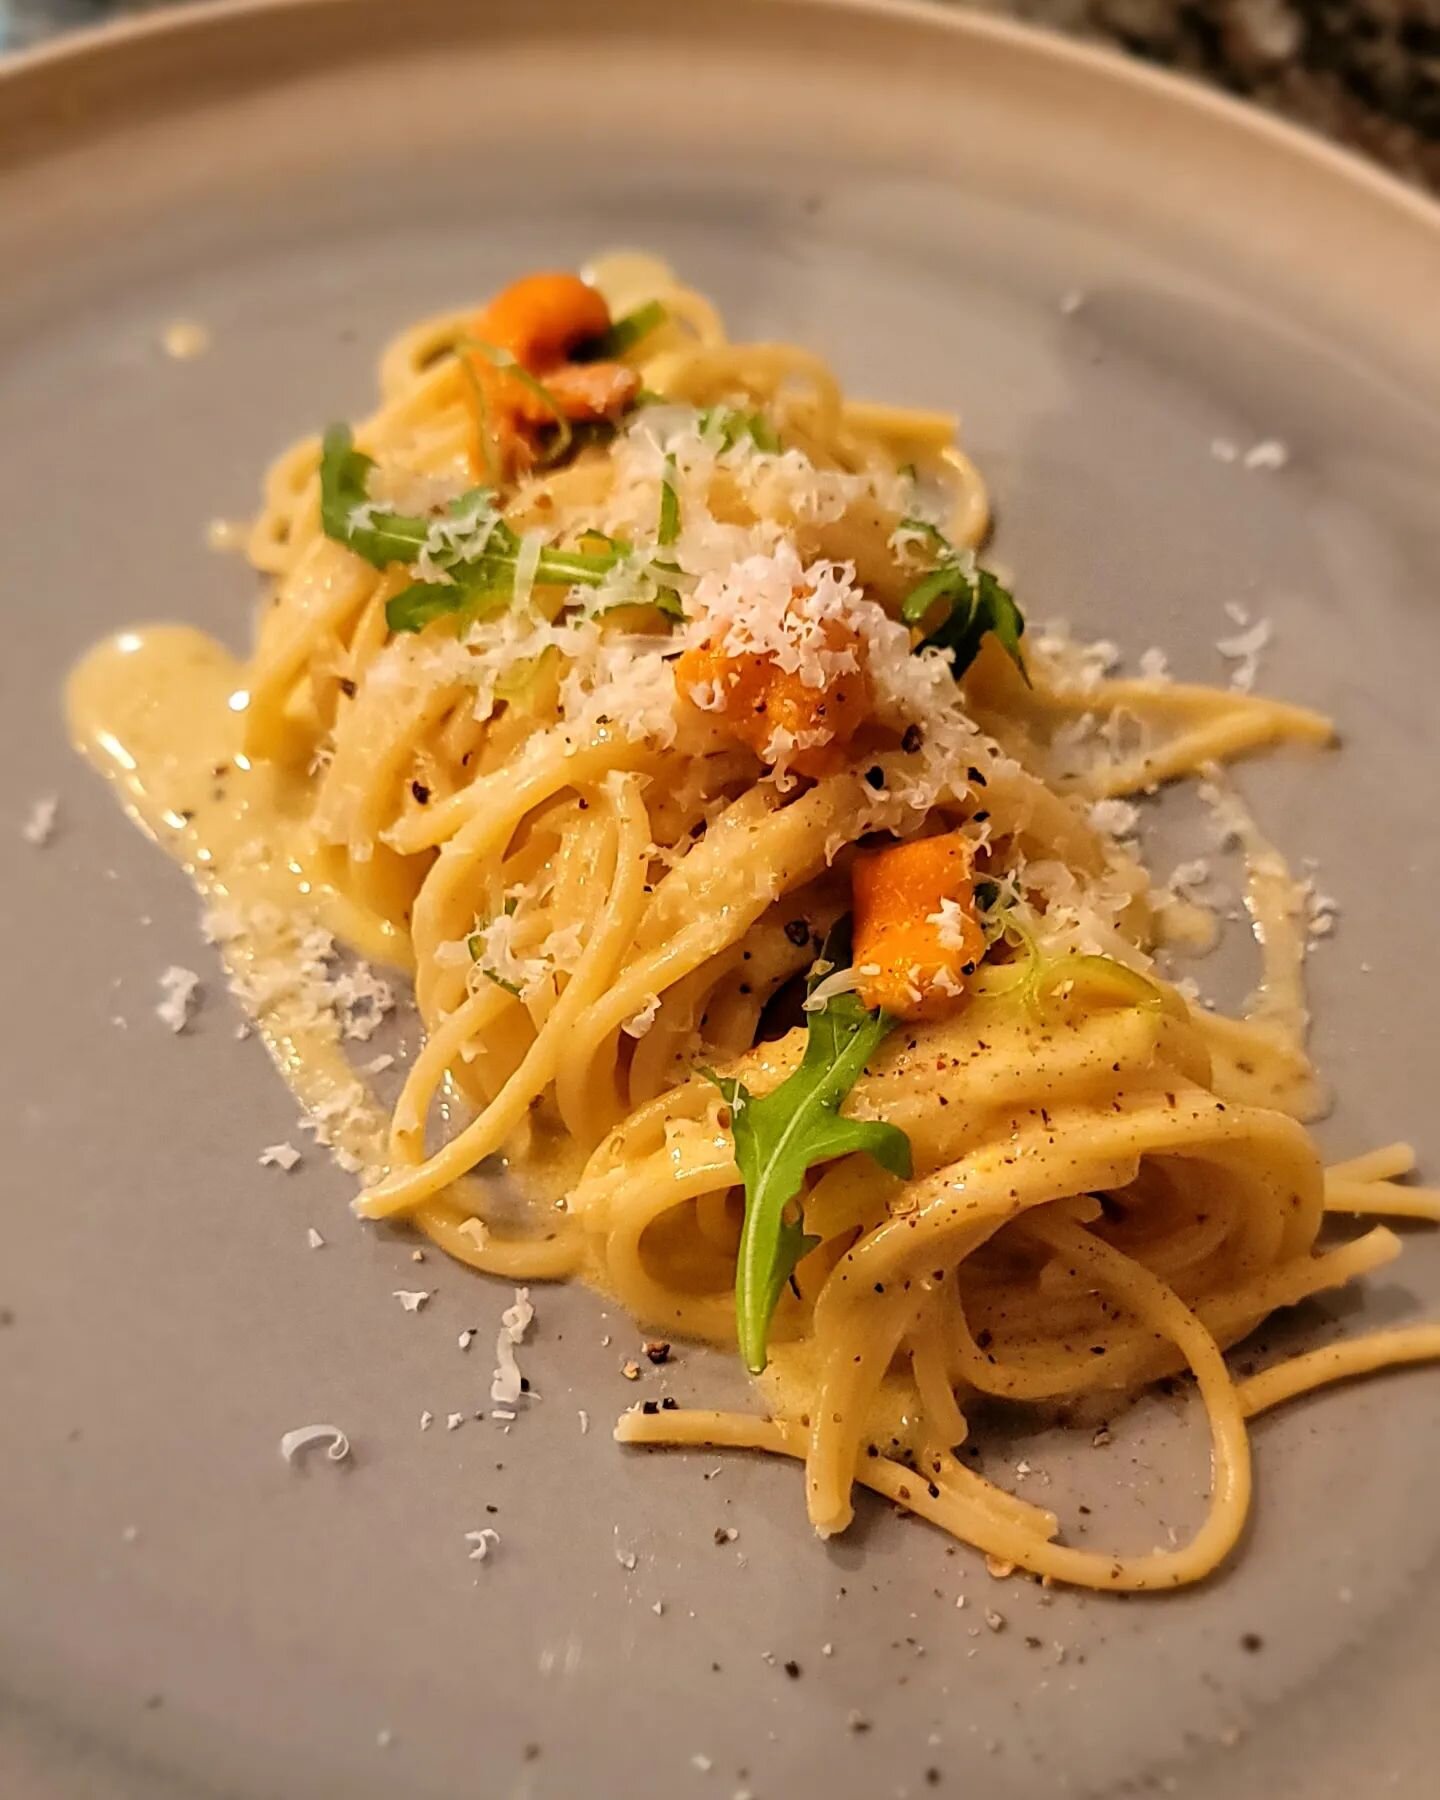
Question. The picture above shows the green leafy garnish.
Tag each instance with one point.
(477, 569)
(347, 515)
(974, 601)
(669, 527)
(781, 1136)
(667, 599)
(728, 427)
(623, 335)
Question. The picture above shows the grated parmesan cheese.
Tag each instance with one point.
(361, 1000)
(278, 1156)
(482, 1542)
(39, 826)
(180, 989)
(305, 1437)
(949, 923)
(412, 1299)
(1322, 913)
(507, 1383)
(1188, 880)
(1115, 818)
(842, 981)
(1072, 664)
(640, 1022)
(1244, 650)
(1268, 454)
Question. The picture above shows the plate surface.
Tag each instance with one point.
(913, 192)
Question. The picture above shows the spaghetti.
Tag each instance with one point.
(613, 675)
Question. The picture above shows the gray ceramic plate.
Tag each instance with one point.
(914, 192)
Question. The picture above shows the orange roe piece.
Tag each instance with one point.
(896, 894)
(759, 699)
(541, 320)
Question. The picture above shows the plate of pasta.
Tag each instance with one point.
(815, 772)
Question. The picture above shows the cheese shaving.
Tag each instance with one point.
(180, 989)
(507, 1383)
(640, 1022)
(482, 1542)
(39, 826)
(1268, 454)
(949, 922)
(306, 1437)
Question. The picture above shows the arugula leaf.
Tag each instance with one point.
(975, 603)
(416, 606)
(667, 599)
(623, 335)
(486, 584)
(471, 584)
(781, 1136)
(380, 537)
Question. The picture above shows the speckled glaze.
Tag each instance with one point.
(181, 1614)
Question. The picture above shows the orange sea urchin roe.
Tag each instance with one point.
(541, 320)
(898, 898)
(772, 710)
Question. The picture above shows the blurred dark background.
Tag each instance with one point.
(1364, 72)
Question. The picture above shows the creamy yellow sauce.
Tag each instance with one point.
(1262, 1058)
(161, 714)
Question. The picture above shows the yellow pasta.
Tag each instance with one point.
(609, 888)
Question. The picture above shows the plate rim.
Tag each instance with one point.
(33, 67)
